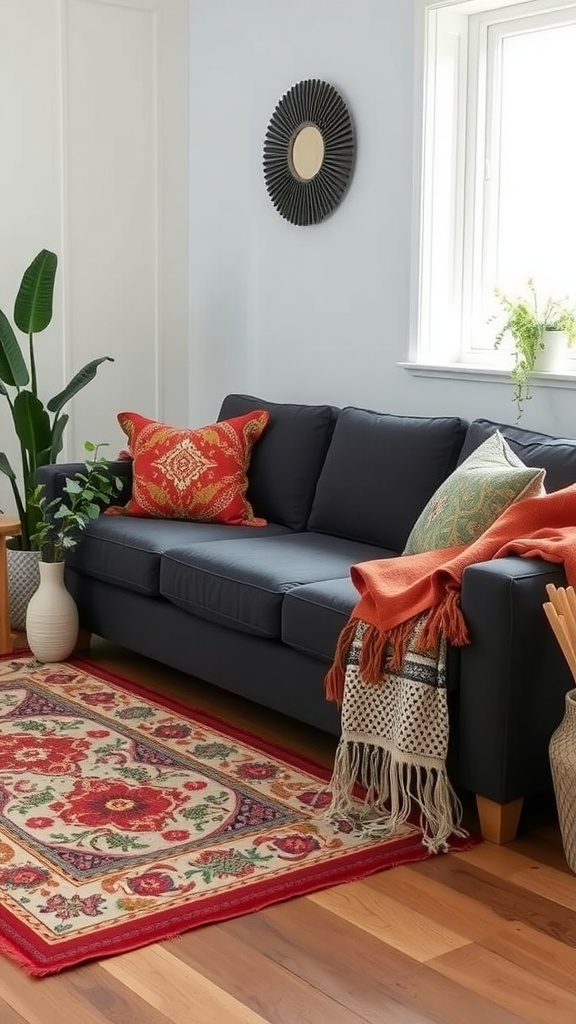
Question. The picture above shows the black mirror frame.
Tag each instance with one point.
(311, 102)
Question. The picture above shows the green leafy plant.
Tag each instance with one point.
(39, 428)
(527, 321)
(60, 522)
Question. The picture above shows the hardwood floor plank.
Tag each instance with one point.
(514, 988)
(502, 861)
(509, 901)
(448, 908)
(64, 997)
(8, 1015)
(115, 1001)
(543, 956)
(549, 883)
(182, 994)
(269, 988)
(403, 928)
(355, 969)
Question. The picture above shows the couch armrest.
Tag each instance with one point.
(54, 477)
(513, 678)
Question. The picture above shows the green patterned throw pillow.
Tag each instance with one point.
(490, 480)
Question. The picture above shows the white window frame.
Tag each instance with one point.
(458, 44)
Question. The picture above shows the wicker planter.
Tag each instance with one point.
(563, 765)
(23, 581)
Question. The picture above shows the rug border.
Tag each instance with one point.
(42, 959)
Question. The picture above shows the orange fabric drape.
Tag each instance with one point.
(395, 591)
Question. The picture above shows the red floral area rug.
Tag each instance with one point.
(126, 819)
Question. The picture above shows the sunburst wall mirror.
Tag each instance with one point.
(309, 152)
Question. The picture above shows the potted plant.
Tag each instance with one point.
(39, 427)
(537, 330)
(52, 616)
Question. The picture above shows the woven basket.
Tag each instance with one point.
(563, 764)
(23, 581)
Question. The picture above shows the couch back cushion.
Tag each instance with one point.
(379, 473)
(557, 455)
(287, 461)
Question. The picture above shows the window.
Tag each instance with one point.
(496, 200)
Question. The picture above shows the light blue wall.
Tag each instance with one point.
(312, 313)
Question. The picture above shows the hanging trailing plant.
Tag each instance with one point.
(527, 321)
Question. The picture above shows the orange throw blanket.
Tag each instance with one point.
(394, 592)
(389, 671)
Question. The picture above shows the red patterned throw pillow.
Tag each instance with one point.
(191, 474)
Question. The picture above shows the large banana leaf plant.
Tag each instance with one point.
(39, 428)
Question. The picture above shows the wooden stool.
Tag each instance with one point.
(9, 527)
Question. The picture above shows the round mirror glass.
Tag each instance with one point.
(307, 152)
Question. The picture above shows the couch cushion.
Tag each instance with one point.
(557, 455)
(242, 584)
(127, 551)
(482, 487)
(379, 473)
(287, 460)
(198, 475)
(314, 615)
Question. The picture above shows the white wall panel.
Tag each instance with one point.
(120, 247)
(94, 165)
(30, 176)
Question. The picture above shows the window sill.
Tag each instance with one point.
(490, 375)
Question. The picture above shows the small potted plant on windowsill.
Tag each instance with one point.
(541, 335)
(52, 616)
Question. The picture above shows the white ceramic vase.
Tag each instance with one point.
(52, 616)
(552, 358)
(563, 766)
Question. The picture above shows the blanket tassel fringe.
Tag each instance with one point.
(444, 619)
(393, 787)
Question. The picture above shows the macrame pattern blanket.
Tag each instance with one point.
(394, 742)
(389, 671)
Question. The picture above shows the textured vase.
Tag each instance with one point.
(23, 581)
(563, 765)
(52, 616)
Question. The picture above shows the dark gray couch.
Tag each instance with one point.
(258, 610)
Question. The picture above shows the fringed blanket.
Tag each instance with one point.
(389, 671)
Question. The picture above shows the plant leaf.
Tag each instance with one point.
(79, 381)
(58, 428)
(32, 425)
(33, 305)
(5, 467)
(13, 369)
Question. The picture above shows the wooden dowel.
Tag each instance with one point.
(571, 596)
(565, 606)
(559, 633)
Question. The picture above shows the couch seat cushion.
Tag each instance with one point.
(127, 551)
(287, 460)
(242, 584)
(379, 473)
(314, 615)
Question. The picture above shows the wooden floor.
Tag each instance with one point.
(484, 937)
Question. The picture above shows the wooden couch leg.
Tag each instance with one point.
(499, 822)
(83, 641)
